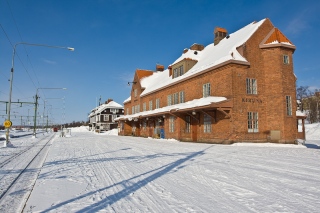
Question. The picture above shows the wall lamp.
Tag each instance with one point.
(133, 82)
(194, 113)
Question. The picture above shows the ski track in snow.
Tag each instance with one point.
(105, 173)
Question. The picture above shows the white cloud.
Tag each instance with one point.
(299, 23)
(49, 62)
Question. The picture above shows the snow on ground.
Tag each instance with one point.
(90, 172)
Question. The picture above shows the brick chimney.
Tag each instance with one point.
(198, 47)
(219, 34)
(109, 100)
(159, 67)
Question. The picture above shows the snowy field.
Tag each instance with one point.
(89, 172)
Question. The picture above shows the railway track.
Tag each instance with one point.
(20, 152)
(19, 173)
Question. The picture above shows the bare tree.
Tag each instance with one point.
(302, 93)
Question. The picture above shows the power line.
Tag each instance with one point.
(25, 49)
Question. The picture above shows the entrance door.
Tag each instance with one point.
(151, 125)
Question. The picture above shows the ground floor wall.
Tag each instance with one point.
(212, 126)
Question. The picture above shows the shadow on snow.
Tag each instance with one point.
(129, 189)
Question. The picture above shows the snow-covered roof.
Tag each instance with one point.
(99, 109)
(190, 54)
(173, 108)
(212, 55)
(127, 100)
(301, 114)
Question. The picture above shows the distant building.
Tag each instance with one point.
(102, 117)
(239, 88)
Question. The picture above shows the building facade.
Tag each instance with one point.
(102, 118)
(240, 88)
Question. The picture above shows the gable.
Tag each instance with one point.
(143, 73)
(276, 38)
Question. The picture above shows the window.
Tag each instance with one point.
(253, 122)
(144, 124)
(181, 70)
(106, 117)
(251, 86)
(206, 90)
(169, 100)
(175, 98)
(127, 111)
(135, 92)
(150, 105)
(175, 73)
(289, 105)
(113, 110)
(171, 124)
(188, 124)
(178, 72)
(286, 59)
(206, 123)
(181, 96)
(144, 106)
(157, 103)
(114, 117)
(132, 110)
(137, 109)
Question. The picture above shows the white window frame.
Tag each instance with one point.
(251, 86)
(113, 110)
(181, 70)
(132, 110)
(175, 98)
(175, 73)
(150, 105)
(157, 103)
(207, 121)
(144, 106)
(253, 122)
(286, 59)
(169, 99)
(289, 105)
(136, 108)
(105, 117)
(206, 90)
(181, 97)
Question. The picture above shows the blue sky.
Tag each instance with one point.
(112, 38)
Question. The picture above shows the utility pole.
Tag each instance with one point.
(35, 116)
(47, 124)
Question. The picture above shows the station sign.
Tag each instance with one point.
(7, 124)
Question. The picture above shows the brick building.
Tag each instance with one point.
(239, 88)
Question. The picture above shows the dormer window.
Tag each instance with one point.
(178, 71)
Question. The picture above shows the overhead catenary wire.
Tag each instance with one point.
(15, 23)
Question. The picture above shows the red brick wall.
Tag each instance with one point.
(275, 80)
